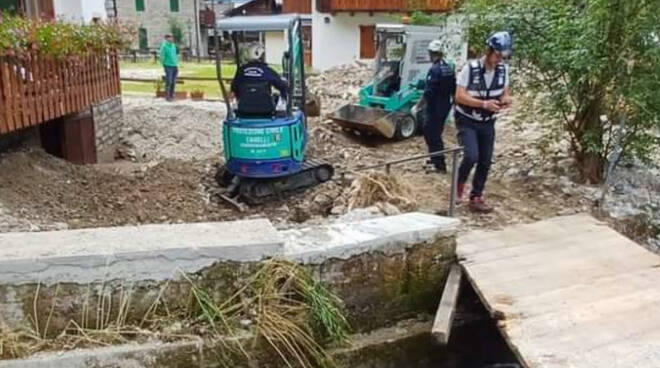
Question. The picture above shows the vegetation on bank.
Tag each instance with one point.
(279, 313)
(593, 67)
(20, 35)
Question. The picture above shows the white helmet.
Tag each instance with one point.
(255, 51)
(437, 47)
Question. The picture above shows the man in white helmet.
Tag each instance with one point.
(437, 98)
(253, 82)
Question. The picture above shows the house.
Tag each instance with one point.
(156, 18)
(79, 11)
(275, 41)
(345, 28)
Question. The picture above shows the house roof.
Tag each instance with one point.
(276, 22)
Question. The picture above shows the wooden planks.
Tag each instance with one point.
(444, 317)
(35, 89)
(572, 292)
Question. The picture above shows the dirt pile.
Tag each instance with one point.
(340, 85)
(184, 130)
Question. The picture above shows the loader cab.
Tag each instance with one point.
(388, 62)
(400, 66)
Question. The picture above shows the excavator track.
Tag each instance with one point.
(260, 191)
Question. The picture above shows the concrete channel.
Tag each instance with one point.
(389, 272)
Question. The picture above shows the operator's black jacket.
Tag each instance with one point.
(440, 87)
(257, 71)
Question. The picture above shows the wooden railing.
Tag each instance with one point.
(36, 89)
(331, 6)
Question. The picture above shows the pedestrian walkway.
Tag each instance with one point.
(570, 292)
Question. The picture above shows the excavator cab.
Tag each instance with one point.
(265, 153)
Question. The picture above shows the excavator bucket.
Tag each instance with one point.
(366, 119)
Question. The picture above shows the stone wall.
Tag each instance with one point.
(156, 19)
(107, 127)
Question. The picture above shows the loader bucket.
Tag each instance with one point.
(366, 119)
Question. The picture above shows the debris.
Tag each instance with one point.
(373, 187)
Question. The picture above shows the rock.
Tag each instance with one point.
(388, 208)
(338, 210)
(360, 214)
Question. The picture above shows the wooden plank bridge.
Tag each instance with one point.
(569, 292)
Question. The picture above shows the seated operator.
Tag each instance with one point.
(253, 82)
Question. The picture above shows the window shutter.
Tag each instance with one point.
(143, 40)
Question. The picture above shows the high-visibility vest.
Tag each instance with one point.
(477, 88)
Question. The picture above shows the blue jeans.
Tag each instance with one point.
(171, 72)
(478, 140)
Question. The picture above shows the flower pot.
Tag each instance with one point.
(161, 94)
(197, 96)
(180, 95)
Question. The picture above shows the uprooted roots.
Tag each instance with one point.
(373, 187)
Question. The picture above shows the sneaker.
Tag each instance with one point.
(477, 204)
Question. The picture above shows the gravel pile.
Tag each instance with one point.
(184, 130)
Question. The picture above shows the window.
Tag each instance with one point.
(139, 5)
(174, 5)
(142, 36)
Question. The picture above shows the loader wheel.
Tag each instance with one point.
(406, 127)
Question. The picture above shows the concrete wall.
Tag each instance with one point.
(275, 43)
(155, 18)
(79, 10)
(108, 124)
(385, 269)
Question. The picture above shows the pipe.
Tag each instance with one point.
(218, 68)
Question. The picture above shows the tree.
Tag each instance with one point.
(594, 63)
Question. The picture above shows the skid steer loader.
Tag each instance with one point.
(401, 64)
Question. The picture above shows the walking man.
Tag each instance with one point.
(170, 59)
(482, 92)
(437, 98)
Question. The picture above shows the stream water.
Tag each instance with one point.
(475, 340)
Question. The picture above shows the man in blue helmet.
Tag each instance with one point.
(482, 92)
(437, 98)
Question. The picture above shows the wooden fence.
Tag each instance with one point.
(36, 89)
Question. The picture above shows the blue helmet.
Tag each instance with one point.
(501, 42)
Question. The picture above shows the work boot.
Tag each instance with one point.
(477, 204)
(460, 189)
(431, 167)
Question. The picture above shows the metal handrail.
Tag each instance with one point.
(455, 152)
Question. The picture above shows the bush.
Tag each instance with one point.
(594, 64)
(20, 35)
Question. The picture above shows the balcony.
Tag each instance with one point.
(333, 6)
(35, 89)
